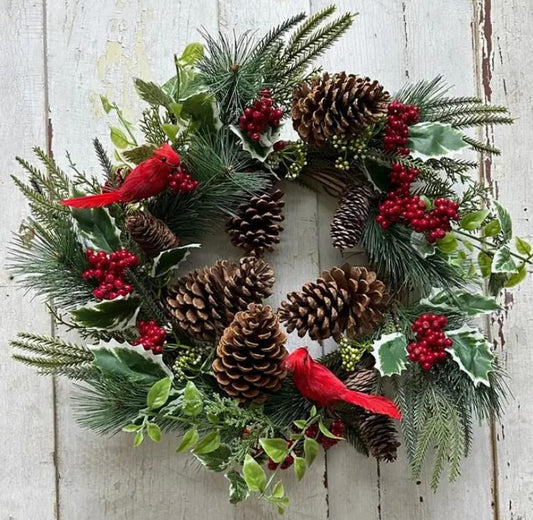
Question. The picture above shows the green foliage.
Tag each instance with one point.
(52, 356)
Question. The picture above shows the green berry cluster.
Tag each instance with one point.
(351, 148)
(189, 362)
(293, 157)
(352, 351)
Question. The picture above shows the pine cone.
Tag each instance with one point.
(249, 355)
(346, 299)
(350, 218)
(334, 105)
(151, 234)
(256, 227)
(377, 431)
(204, 302)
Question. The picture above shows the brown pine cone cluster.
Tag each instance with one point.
(151, 234)
(248, 363)
(347, 299)
(350, 218)
(256, 227)
(204, 302)
(336, 105)
(376, 431)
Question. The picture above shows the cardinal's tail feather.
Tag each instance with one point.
(93, 201)
(372, 403)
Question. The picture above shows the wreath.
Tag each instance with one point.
(199, 354)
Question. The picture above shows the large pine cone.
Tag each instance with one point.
(346, 299)
(256, 228)
(376, 431)
(204, 302)
(334, 105)
(350, 218)
(151, 234)
(249, 355)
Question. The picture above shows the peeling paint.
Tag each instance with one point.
(486, 60)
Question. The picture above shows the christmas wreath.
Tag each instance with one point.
(199, 354)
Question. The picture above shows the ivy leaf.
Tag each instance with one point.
(192, 400)
(517, 278)
(118, 138)
(299, 467)
(474, 220)
(485, 264)
(504, 217)
(188, 441)
(503, 261)
(311, 449)
(523, 247)
(170, 260)
(238, 489)
(448, 244)
(390, 353)
(97, 229)
(154, 432)
(191, 54)
(118, 314)
(471, 351)
(435, 140)
(420, 244)
(209, 443)
(159, 393)
(217, 460)
(274, 448)
(254, 475)
(463, 302)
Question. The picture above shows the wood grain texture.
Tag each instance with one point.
(27, 474)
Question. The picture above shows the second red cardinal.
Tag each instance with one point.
(146, 180)
(318, 384)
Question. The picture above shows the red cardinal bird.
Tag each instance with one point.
(146, 180)
(316, 383)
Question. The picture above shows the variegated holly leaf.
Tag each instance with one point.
(118, 314)
(97, 229)
(457, 300)
(503, 261)
(504, 218)
(471, 351)
(170, 259)
(431, 140)
(261, 149)
(390, 353)
(421, 244)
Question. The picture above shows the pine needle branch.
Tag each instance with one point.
(480, 146)
(308, 27)
(104, 160)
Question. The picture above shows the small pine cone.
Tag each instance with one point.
(204, 302)
(346, 299)
(335, 105)
(350, 218)
(248, 363)
(256, 227)
(151, 234)
(377, 431)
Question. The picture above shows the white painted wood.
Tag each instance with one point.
(506, 63)
(27, 473)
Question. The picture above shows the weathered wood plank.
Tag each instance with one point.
(27, 477)
(505, 70)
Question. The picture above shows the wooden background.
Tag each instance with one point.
(56, 57)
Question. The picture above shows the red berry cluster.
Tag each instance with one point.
(431, 342)
(181, 181)
(399, 118)
(336, 428)
(260, 115)
(400, 205)
(287, 463)
(108, 270)
(152, 336)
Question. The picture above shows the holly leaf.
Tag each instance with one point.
(217, 460)
(274, 448)
(170, 260)
(118, 314)
(474, 220)
(421, 245)
(463, 302)
(471, 351)
(503, 261)
(261, 149)
(97, 229)
(379, 174)
(238, 489)
(390, 353)
(431, 139)
(504, 218)
(254, 475)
